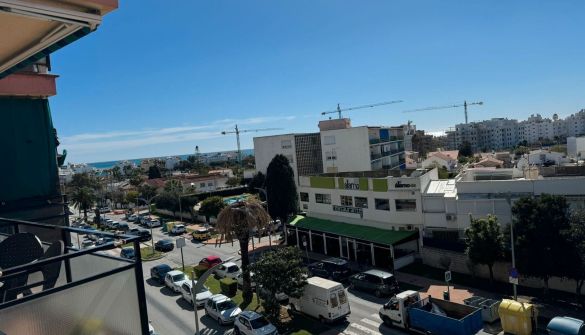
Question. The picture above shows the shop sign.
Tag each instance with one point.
(347, 209)
(352, 184)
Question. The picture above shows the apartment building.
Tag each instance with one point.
(303, 152)
(576, 146)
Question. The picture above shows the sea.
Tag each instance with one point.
(110, 164)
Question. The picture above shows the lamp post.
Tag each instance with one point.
(269, 223)
(151, 233)
(509, 201)
(305, 245)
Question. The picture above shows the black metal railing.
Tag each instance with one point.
(86, 271)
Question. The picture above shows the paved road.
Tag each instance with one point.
(171, 315)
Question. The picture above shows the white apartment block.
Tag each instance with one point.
(502, 133)
(576, 147)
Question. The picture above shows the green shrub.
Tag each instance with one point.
(228, 286)
(199, 270)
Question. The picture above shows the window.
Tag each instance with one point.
(305, 196)
(342, 297)
(346, 200)
(361, 202)
(382, 204)
(333, 299)
(406, 205)
(328, 140)
(330, 155)
(305, 206)
(286, 144)
(201, 184)
(322, 198)
(209, 184)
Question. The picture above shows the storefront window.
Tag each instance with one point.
(322, 198)
(361, 202)
(405, 205)
(383, 204)
(346, 200)
(305, 196)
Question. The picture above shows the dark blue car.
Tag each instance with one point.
(158, 272)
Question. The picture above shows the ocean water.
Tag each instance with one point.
(110, 164)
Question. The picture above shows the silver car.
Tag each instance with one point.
(222, 308)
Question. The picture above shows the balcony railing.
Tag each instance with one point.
(92, 291)
(385, 140)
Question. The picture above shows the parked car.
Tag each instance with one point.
(123, 227)
(127, 252)
(200, 298)
(132, 218)
(158, 272)
(240, 280)
(151, 330)
(106, 240)
(380, 283)
(113, 225)
(178, 229)
(143, 234)
(222, 308)
(252, 323)
(331, 268)
(201, 234)
(210, 261)
(152, 223)
(164, 245)
(228, 270)
(87, 244)
(105, 209)
(174, 279)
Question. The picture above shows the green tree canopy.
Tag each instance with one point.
(211, 206)
(281, 188)
(233, 181)
(146, 191)
(173, 186)
(485, 242)
(540, 225)
(132, 197)
(85, 179)
(281, 271)
(576, 235)
(465, 149)
(154, 172)
(257, 181)
(83, 199)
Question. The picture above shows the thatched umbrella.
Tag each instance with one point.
(235, 222)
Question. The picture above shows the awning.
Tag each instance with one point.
(370, 234)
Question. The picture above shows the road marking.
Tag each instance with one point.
(349, 332)
(370, 322)
(363, 328)
(376, 316)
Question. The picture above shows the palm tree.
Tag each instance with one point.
(83, 198)
(236, 221)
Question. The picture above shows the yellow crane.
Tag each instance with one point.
(464, 105)
(339, 109)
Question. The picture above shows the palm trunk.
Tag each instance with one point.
(545, 287)
(578, 289)
(491, 267)
(247, 287)
(85, 214)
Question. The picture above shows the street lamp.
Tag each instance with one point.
(151, 233)
(305, 245)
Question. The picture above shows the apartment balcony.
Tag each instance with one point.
(58, 289)
(379, 141)
(385, 154)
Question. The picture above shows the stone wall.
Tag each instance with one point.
(460, 263)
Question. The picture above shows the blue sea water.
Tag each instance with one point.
(110, 164)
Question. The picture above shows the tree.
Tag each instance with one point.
(116, 173)
(282, 191)
(485, 242)
(539, 228)
(132, 197)
(211, 207)
(174, 186)
(146, 191)
(257, 181)
(236, 221)
(443, 172)
(465, 149)
(85, 179)
(154, 172)
(233, 181)
(83, 199)
(281, 271)
(136, 180)
(576, 236)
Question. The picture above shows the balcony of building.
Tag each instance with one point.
(50, 287)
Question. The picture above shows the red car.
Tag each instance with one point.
(210, 261)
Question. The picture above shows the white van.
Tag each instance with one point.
(323, 299)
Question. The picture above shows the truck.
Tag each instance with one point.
(323, 299)
(408, 311)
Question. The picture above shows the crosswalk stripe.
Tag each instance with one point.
(370, 322)
(363, 328)
(349, 332)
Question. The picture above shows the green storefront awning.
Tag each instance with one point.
(371, 234)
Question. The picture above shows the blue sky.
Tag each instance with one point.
(159, 77)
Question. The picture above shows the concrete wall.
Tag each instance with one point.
(266, 147)
(352, 148)
(460, 263)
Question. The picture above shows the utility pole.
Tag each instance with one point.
(509, 201)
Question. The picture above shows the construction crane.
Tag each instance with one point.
(339, 109)
(237, 131)
(464, 105)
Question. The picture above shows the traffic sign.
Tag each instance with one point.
(181, 242)
(447, 276)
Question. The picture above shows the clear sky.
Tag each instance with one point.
(160, 77)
